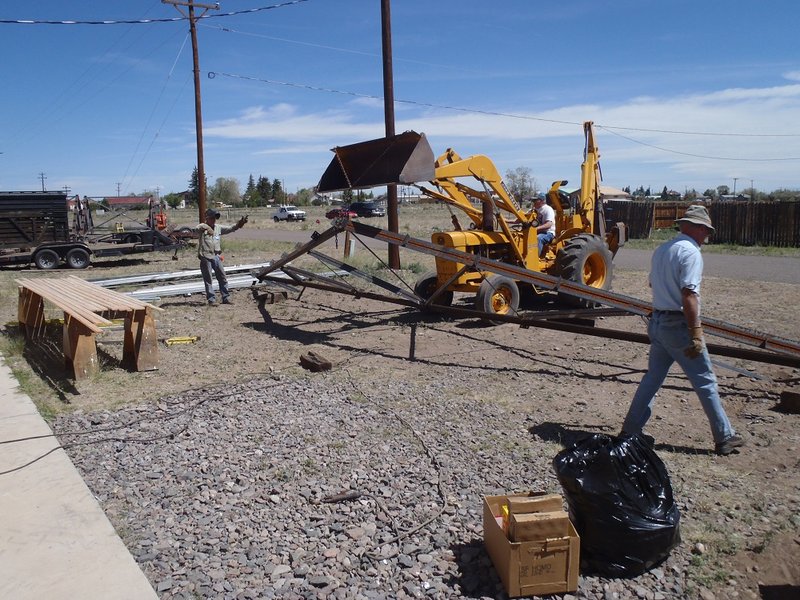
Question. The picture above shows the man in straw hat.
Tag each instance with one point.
(676, 334)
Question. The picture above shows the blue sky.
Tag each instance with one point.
(684, 93)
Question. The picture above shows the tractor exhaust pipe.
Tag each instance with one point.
(400, 159)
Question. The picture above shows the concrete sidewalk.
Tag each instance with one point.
(55, 541)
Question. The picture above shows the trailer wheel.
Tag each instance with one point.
(46, 259)
(427, 285)
(78, 258)
(498, 295)
(585, 259)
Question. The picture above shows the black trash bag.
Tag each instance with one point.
(620, 501)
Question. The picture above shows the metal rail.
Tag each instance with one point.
(781, 351)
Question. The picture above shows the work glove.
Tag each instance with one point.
(240, 223)
(696, 345)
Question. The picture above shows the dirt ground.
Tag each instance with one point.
(739, 513)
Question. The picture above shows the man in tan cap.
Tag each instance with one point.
(676, 334)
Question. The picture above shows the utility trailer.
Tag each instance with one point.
(35, 228)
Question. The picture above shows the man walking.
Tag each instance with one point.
(676, 334)
(209, 251)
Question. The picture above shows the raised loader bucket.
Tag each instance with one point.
(404, 158)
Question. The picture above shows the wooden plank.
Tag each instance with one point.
(140, 348)
(78, 311)
(80, 350)
(81, 301)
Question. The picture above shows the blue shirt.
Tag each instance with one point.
(676, 264)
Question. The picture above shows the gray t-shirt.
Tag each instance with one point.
(676, 264)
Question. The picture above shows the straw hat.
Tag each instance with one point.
(698, 215)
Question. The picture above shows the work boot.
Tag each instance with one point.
(727, 446)
(227, 301)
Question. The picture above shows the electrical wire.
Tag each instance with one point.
(149, 21)
(213, 74)
(152, 113)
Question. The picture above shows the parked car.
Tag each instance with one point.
(288, 213)
(340, 213)
(368, 209)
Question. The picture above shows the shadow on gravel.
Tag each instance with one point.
(476, 575)
(779, 592)
(566, 437)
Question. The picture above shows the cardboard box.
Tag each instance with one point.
(535, 502)
(537, 526)
(535, 567)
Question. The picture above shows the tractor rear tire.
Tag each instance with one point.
(427, 285)
(498, 295)
(585, 259)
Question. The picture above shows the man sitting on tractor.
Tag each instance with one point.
(546, 222)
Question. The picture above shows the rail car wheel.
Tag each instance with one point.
(498, 295)
(427, 285)
(46, 259)
(585, 259)
(78, 258)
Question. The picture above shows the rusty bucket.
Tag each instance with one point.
(401, 159)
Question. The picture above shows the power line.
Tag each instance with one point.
(147, 21)
(609, 128)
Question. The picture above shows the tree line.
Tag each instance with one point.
(520, 182)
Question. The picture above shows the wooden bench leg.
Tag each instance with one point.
(80, 349)
(30, 313)
(140, 349)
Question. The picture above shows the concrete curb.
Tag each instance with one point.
(55, 540)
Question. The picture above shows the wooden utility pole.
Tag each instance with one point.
(388, 109)
(198, 111)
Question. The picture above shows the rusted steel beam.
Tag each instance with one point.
(607, 298)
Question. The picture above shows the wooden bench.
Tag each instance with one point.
(86, 308)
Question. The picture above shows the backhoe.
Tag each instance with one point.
(498, 227)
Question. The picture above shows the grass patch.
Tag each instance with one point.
(658, 236)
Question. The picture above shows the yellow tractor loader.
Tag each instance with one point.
(498, 227)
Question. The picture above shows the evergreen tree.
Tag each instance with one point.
(194, 188)
(264, 189)
(277, 192)
(250, 197)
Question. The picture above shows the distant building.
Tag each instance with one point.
(127, 202)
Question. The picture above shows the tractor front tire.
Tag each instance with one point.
(498, 295)
(427, 285)
(585, 259)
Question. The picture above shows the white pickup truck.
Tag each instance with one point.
(288, 213)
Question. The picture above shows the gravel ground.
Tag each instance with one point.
(224, 492)
(218, 488)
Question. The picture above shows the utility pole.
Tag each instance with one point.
(119, 185)
(42, 177)
(388, 109)
(198, 112)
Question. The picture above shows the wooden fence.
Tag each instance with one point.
(740, 223)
